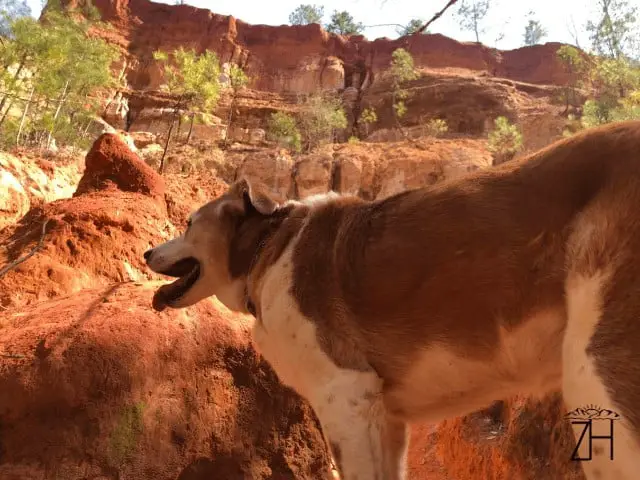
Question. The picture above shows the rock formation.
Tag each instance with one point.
(111, 161)
(300, 59)
(284, 61)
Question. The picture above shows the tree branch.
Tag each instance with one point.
(434, 18)
(17, 262)
(385, 25)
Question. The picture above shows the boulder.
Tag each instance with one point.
(271, 169)
(27, 181)
(90, 240)
(143, 139)
(14, 201)
(313, 174)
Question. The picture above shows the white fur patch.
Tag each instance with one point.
(582, 386)
(320, 198)
(168, 253)
(347, 402)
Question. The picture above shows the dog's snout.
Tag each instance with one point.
(147, 254)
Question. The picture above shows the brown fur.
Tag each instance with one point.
(496, 240)
(457, 262)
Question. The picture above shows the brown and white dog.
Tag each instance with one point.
(437, 301)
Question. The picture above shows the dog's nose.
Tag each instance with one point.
(147, 254)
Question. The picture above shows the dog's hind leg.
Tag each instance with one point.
(601, 372)
(366, 444)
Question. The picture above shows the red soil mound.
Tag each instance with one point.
(95, 238)
(111, 162)
(92, 240)
(98, 385)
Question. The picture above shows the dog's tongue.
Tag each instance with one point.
(166, 293)
(171, 291)
(159, 302)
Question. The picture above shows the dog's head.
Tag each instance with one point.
(200, 257)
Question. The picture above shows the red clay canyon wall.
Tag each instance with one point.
(293, 59)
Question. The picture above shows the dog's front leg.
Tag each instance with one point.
(365, 442)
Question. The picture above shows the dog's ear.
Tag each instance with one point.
(253, 197)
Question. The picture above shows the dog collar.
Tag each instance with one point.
(251, 307)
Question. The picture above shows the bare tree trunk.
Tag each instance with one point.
(166, 147)
(229, 117)
(24, 115)
(13, 80)
(179, 127)
(8, 94)
(6, 112)
(111, 100)
(86, 129)
(193, 116)
(574, 33)
(58, 108)
(434, 18)
(176, 110)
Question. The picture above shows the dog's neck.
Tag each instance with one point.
(249, 306)
(258, 243)
(247, 301)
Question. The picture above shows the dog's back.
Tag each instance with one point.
(489, 270)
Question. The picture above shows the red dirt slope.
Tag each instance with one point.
(91, 240)
(100, 386)
(95, 238)
(522, 440)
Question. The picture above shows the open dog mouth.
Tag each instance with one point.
(188, 271)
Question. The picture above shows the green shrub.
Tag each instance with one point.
(283, 129)
(402, 67)
(504, 140)
(321, 117)
(402, 70)
(368, 117)
(436, 127)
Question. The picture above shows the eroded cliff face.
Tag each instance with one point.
(284, 61)
(300, 59)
